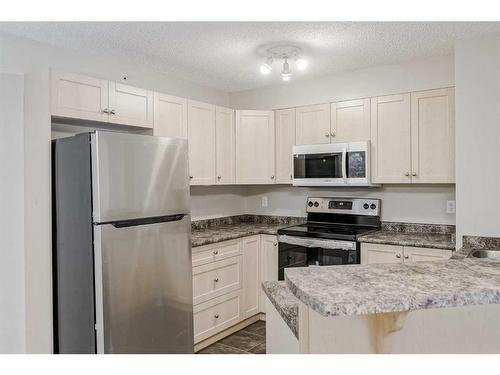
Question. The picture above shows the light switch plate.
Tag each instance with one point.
(450, 207)
(264, 202)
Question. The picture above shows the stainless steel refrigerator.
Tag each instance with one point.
(121, 244)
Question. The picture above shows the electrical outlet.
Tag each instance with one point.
(450, 207)
(264, 201)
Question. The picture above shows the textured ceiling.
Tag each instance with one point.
(225, 56)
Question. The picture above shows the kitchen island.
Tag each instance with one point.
(426, 307)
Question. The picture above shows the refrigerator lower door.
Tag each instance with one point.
(138, 176)
(144, 301)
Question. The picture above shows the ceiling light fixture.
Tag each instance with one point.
(284, 53)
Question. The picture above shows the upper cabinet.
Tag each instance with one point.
(130, 105)
(350, 121)
(78, 96)
(201, 140)
(285, 139)
(86, 98)
(433, 136)
(170, 116)
(413, 137)
(312, 124)
(225, 146)
(255, 147)
(390, 139)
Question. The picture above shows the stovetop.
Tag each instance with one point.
(327, 230)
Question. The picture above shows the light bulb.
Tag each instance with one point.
(301, 64)
(267, 67)
(286, 77)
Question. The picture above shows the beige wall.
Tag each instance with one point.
(477, 76)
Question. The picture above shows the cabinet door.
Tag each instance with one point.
(201, 140)
(255, 147)
(433, 136)
(251, 276)
(350, 121)
(390, 139)
(422, 254)
(170, 114)
(285, 139)
(225, 145)
(77, 96)
(312, 124)
(268, 264)
(130, 105)
(372, 253)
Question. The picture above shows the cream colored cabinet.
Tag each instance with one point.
(285, 139)
(130, 105)
(390, 139)
(225, 145)
(170, 116)
(433, 136)
(78, 96)
(87, 98)
(268, 264)
(350, 121)
(312, 124)
(255, 158)
(201, 140)
(251, 276)
(215, 252)
(378, 253)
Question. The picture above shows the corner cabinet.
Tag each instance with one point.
(372, 253)
(225, 146)
(285, 139)
(201, 140)
(170, 116)
(255, 158)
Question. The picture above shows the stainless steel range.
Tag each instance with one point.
(330, 235)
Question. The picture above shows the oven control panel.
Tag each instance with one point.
(351, 206)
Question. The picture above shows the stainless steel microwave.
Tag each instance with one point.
(333, 164)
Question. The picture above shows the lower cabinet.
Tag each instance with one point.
(378, 253)
(227, 280)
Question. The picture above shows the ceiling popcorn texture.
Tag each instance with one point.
(227, 55)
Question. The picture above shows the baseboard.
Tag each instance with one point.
(229, 331)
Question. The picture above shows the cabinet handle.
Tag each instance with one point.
(272, 177)
(413, 174)
(407, 256)
(398, 256)
(216, 252)
(327, 135)
(105, 110)
(291, 177)
(216, 316)
(332, 134)
(216, 280)
(219, 177)
(275, 244)
(407, 174)
(112, 112)
(190, 177)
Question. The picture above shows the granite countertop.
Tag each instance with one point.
(217, 230)
(383, 288)
(417, 235)
(284, 301)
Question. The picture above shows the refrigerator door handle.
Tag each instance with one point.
(144, 221)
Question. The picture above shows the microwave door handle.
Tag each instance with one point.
(344, 164)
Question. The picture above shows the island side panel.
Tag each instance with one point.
(470, 329)
(279, 337)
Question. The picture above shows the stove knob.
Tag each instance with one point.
(373, 206)
(316, 204)
(365, 206)
(310, 204)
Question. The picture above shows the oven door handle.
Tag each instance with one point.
(315, 242)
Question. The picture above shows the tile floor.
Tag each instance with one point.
(250, 340)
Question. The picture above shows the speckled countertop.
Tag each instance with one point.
(382, 288)
(284, 301)
(228, 228)
(417, 235)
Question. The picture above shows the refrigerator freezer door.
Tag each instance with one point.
(144, 288)
(138, 176)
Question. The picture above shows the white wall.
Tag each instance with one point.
(477, 100)
(12, 286)
(381, 80)
(217, 201)
(423, 204)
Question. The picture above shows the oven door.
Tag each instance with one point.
(304, 252)
(319, 165)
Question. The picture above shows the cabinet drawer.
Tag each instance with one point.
(422, 254)
(216, 315)
(211, 253)
(215, 279)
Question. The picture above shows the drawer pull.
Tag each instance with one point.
(398, 256)
(407, 256)
(216, 252)
(216, 316)
(216, 280)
